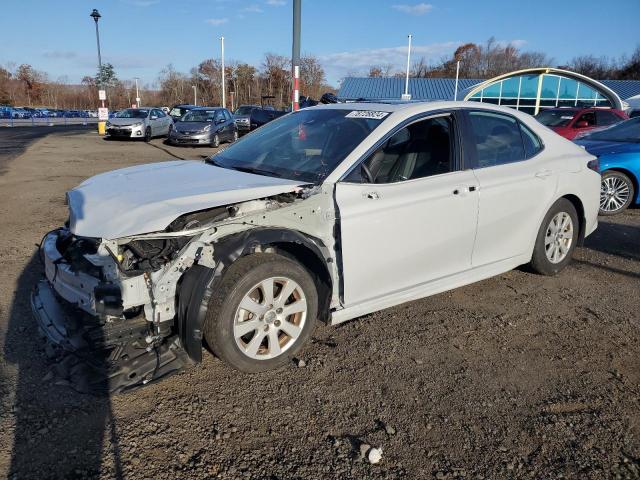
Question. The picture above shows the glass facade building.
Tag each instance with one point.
(535, 89)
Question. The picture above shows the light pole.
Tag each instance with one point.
(137, 94)
(406, 95)
(96, 16)
(295, 54)
(224, 100)
(195, 95)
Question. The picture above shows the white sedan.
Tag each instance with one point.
(329, 213)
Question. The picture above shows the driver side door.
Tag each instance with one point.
(409, 216)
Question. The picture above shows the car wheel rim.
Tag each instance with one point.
(614, 194)
(235, 136)
(559, 237)
(270, 318)
(216, 141)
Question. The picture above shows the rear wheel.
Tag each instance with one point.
(263, 312)
(556, 239)
(616, 192)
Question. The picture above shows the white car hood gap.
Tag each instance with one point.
(147, 198)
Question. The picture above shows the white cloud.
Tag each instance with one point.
(418, 9)
(276, 3)
(217, 21)
(340, 64)
(252, 9)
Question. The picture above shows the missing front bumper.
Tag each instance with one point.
(94, 356)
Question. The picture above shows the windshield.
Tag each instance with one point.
(245, 110)
(305, 145)
(178, 112)
(199, 116)
(555, 118)
(628, 131)
(132, 113)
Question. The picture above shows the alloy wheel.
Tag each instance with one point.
(558, 237)
(614, 194)
(270, 318)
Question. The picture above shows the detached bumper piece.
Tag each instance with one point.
(99, 357)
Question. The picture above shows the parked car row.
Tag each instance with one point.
(30, 112)
(197, 126)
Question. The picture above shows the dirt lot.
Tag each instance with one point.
(520, 376)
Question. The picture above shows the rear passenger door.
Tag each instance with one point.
(516, 184)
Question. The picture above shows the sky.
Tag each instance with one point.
(141, 37)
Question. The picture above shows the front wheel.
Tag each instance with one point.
(556, 239)
(215, 141)
(263, 312)
(147, 134)
(235, 136)
(616, 192)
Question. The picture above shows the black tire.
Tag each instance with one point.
(540, 263)
(235, 136)
(239, 280)
(215, 141)
(621, 180)
(147, 134)
(170, 130)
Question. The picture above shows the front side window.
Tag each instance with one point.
(306, 145)
(421, 149)
(219, 116)
(497, 139)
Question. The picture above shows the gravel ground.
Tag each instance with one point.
(519, 376)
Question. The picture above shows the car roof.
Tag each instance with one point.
(207, 108)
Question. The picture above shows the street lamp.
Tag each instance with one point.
(195, 95)
(224, 101)
(96, 16)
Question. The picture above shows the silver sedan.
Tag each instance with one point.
(143, 123)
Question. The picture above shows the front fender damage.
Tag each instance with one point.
(112, 350)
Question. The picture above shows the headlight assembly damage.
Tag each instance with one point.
(121, 313)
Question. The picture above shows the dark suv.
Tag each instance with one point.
(574, 122)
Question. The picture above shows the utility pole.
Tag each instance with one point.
(406, 95)
(195, 95)
(295, 54)
(455, 92)
(137, 94)
(224, 99)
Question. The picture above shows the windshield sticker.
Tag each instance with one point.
(367, 114)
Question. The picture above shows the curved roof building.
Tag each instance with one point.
(537, 88)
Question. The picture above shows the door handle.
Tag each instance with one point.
(464, 189)
(543, 174)
(371, 195)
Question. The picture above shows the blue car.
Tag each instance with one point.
(618, 150)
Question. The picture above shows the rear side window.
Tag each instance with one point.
(532, 144)
(606, 118)
(497, 139)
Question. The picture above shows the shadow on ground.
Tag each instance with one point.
(59, 433)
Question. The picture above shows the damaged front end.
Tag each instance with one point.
(118, 314)
(92, 321)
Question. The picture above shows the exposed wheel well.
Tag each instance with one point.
(316, 267)
(577, 203)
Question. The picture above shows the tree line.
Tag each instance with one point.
(270, 81)
(493, 58)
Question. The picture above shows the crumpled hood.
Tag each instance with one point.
(599, 148)
(147, 198)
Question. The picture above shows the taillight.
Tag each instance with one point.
(594, 165)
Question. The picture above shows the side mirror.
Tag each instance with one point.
(582, 124)
(219, 121)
